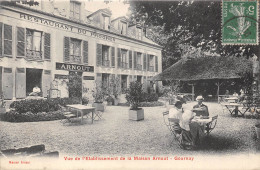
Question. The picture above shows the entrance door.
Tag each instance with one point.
(75, 84)
(33, 78)
(46, 82)
(8, 83)
(20, 83)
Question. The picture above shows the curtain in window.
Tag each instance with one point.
(37, 41)
(29, 40)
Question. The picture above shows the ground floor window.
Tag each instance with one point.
(123, 83)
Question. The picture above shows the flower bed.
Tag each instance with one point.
(14, 116)
(35, 110)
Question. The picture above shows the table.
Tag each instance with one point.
(200, 111)
(230, 107)
(82, 109)
(232, 99)
(203, 122)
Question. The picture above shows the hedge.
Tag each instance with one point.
(41, 105)
(14, 116)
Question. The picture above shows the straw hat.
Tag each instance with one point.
(199, 98)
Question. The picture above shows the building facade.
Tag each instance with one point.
(42, 45)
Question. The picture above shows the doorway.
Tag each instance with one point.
(33, 78)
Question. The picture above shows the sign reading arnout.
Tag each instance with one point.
(74, 67)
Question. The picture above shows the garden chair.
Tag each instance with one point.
(210, 126)
(98, 115)
(169, 123)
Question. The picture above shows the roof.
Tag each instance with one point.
(207, 67)
(122, 18)
(105, 10)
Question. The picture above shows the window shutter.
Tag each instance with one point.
(1, 39)
(99, 55)
(66, 49)
(135, 60)
(112, 56)
(20, 42)
(85, 52)
(156, 63)
(148, 62)
(47, 46)
(130, 60)
(8, 36)
(118, 57)
(144, 62)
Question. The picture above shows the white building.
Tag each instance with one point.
(40, 44)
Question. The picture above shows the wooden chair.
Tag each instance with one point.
(210, 126)
(169, 123)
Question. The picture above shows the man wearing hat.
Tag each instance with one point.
(200, 109)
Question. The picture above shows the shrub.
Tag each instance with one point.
(42, 105)
(14, 116)
(149, 97)
(134, 95)
(151, 104)
(109, 99)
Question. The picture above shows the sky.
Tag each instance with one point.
(117, 7)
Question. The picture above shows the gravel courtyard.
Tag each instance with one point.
(115, 135)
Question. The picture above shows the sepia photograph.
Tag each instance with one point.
(128, 84)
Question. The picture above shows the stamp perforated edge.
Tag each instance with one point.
(257, 24)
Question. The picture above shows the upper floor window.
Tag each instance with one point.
(139, 33)
(75, 50)
(33, 44)
(105, 55)
(106, 22)
(123, 28)
(139, 63)
(75, 10)
(124, 58)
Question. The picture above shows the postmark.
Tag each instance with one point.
(240, 22)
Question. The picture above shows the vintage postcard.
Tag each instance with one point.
(126, 84)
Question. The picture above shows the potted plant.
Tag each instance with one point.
(2, 104)
(98, 95)
(109, 100)
(85, 101)
(115, 88)
(134, 97)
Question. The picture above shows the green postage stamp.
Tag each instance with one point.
(240, 22)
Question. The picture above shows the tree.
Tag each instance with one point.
(181, 27)
(27, 2)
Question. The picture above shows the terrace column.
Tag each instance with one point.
(192, 91)
(218, 84)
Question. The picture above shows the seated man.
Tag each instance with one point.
(200, 109)
(36, 91)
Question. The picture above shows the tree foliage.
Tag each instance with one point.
(26, 2)
(184, 26)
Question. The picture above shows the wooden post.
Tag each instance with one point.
(218, 84)
(192, 91)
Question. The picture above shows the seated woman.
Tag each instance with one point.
(192, 129)
(200, 108)
(36, 91)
